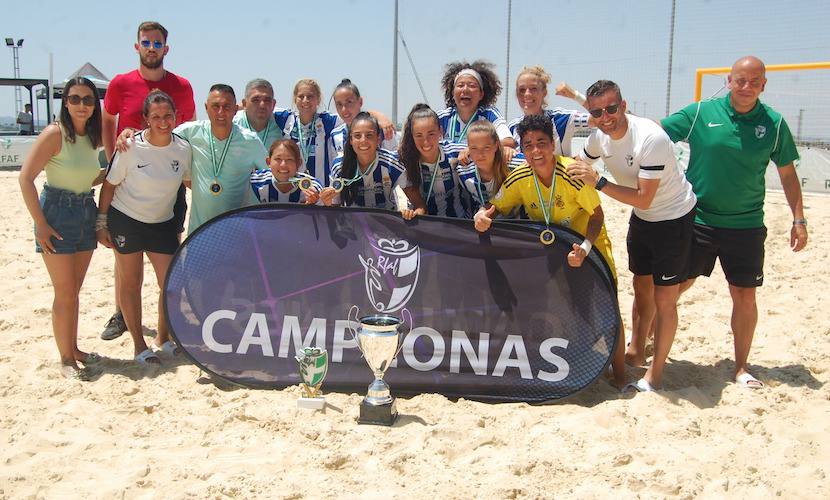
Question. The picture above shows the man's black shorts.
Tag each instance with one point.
(660, 249)
(741, 254)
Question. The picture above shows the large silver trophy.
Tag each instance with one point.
(380, 340)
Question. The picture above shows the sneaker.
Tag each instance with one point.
(115, 327)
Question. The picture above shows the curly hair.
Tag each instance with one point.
(491, 86)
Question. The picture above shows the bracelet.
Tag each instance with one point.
(100, 222)
(580, 97)
(586, 245)
(601, 183)
(799, 222)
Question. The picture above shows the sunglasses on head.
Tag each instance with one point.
(612, 109)
(156, 44)
(75, 99)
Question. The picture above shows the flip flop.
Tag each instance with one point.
(148, 358)
(170, 348)
(747, 381)
(640, 386)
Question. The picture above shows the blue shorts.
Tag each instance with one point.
(72, 216)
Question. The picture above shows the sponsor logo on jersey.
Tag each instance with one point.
(760, 131)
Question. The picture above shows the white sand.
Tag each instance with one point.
(170, 434)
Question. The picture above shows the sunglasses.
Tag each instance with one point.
(156, 44)
(75, 99)
(612, 109)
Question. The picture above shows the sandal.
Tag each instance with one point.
(170, 348)
(147, 357)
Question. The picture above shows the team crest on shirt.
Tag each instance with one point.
(760, 131)
(629, 160)
(391, 273)
(559, 202)
(175, 165)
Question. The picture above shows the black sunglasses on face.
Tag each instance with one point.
(612, 109)
(75, 99)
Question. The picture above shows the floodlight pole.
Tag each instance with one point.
(18, 95)
(507, 63)
(671, 55)
(395, 70)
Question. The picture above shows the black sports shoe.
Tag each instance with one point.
(115, 327)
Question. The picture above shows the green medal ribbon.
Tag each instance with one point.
(457, 121)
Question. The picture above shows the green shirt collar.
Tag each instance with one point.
(751, 114)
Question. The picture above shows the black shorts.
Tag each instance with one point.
(129, 235)
(741, 254)
(660, 249)
(179, 210)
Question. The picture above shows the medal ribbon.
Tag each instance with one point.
(457, 121)
(358, 174)
(217, 169)
(548, 215)
(305, 143)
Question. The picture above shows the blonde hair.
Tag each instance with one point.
(540, 73)
(500, 167)
(311, 83)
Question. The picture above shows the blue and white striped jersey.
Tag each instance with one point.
(376, 187)
(265, 189)
(479, 189)
(456, 131)
(447, 198)
(338, 140)
(315, 138)
(565, 123)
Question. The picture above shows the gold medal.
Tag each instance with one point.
(547, 237)
(215, 188)
(305, 183)
(337, 185)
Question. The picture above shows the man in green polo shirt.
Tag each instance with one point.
(732, 139)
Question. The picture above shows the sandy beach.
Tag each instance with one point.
(172, 433)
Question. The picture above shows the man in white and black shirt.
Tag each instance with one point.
(640, 156)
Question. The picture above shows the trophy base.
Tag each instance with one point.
(377, 414)
(311, 403)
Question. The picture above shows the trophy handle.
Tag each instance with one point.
(349, 319)
(403, 337)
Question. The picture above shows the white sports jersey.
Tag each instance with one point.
(265, 188)
(338, 139)
(375, 187)
(147, 178)
(312, 139)
(565, 123)
(446, 198)
(644, 152)
(456, 131)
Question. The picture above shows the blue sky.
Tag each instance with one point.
(626, 41)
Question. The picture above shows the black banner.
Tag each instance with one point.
(497, 316)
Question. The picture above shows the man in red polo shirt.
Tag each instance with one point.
(123, 105)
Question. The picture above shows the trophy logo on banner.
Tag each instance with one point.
(391, 273)
(314, 365)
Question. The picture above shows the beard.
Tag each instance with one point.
(151, 64)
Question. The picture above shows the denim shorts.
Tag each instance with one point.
(72, 216)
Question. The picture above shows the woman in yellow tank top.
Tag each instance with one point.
(64, 215)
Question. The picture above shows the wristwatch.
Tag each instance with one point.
(601, 183)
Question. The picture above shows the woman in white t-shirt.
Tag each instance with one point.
(135, 215)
